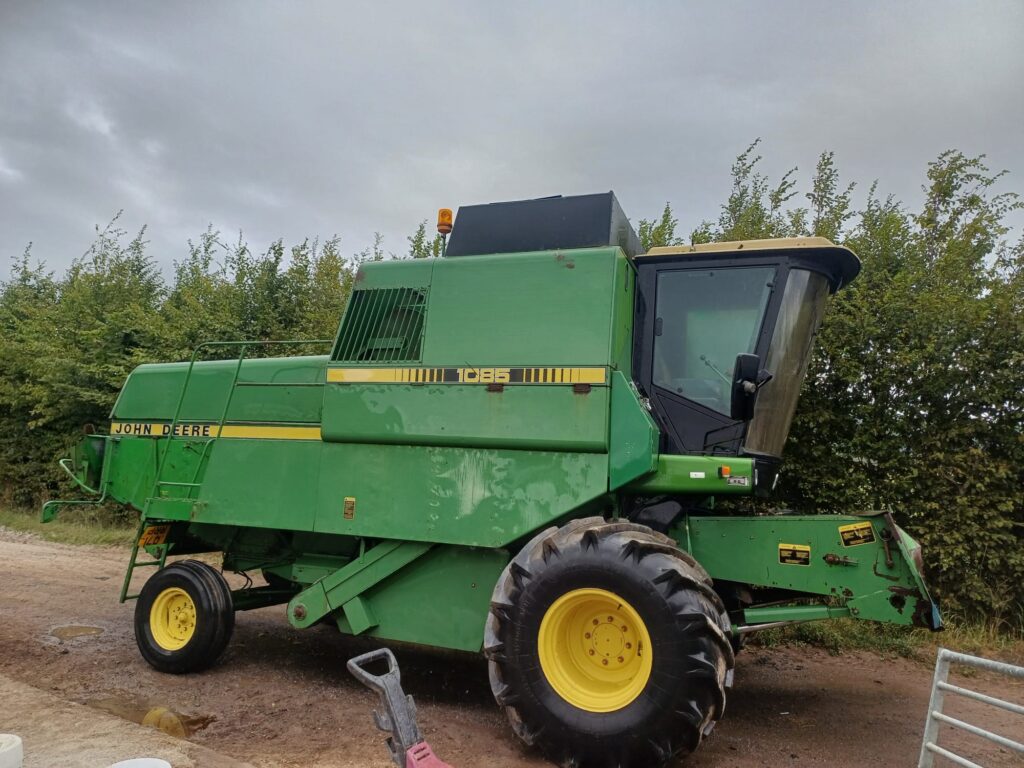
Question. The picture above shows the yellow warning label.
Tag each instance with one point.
(794, 554)
(155, 534)
(856, 533)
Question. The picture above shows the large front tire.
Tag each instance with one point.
(184, 617)
(607, 646)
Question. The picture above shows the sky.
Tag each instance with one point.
(295, 119)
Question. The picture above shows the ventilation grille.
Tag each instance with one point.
(383, 325)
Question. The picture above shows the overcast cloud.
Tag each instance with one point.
(314, 118)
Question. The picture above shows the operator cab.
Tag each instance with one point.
(724, 333)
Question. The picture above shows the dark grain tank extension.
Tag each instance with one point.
(542, 224)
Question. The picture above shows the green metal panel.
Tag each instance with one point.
(401, 273)
(131, 469)
(773, 613)
(698, 475)
(806, 553)
(287, 389)
(547, 309)
(477, 497)
(440, 599)
(634, 436)
(359, 615)
(262, 483)
(623, 293)
(350, 581)
(532, 418)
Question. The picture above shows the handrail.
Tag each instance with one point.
(71, 473)
(244, 345)
(49, 511)
(234, 381)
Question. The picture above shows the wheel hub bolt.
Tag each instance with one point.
(591, 651)
(586, 635)
(604, 661)
(620, 659)
(595, 622)
(628, 646)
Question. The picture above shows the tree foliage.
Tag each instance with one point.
(914, 400)
(915, 396)
(654, 233)
(67, 344)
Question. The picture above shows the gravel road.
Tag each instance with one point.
(281, 697)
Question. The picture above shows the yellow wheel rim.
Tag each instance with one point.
(172, 619)
(595, 650)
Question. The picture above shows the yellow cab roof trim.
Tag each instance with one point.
(773, 244)
(839, 262)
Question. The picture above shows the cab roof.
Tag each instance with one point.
(840, 262)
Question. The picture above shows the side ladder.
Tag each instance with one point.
(163, 488)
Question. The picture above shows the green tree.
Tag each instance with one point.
(72, 344)
(201, 303)
(424, 246)
(654, 233)
(27, 302)
(830, 207)
(332, 277)
(908, 404)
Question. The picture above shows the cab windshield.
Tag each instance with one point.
(803, 304)
(704, 318)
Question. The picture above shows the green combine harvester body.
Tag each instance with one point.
(471, 403)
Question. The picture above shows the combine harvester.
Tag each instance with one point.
(515, 449)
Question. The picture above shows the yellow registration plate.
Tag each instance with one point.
(155, 534)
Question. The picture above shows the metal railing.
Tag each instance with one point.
(941, 686)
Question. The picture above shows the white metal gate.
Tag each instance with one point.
(941, 686)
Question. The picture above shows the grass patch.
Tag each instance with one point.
(839, 635)
(82, 528)
(842, 635)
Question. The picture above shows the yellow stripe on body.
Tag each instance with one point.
(590, 376)
(464, 375)
(368, 375)
(270, 433)
(243, 431)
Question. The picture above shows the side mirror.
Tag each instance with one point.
(746, 379)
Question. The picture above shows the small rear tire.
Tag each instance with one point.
(184, 617)
(607, 646)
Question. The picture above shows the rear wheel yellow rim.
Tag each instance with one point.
(595, 650)
(172, 619)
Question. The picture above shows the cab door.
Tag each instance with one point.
(693, 318)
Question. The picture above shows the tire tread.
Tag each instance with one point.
(685, 585)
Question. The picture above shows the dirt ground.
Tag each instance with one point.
(281, 697)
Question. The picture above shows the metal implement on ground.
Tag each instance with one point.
(519, 449)
(407, 747)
